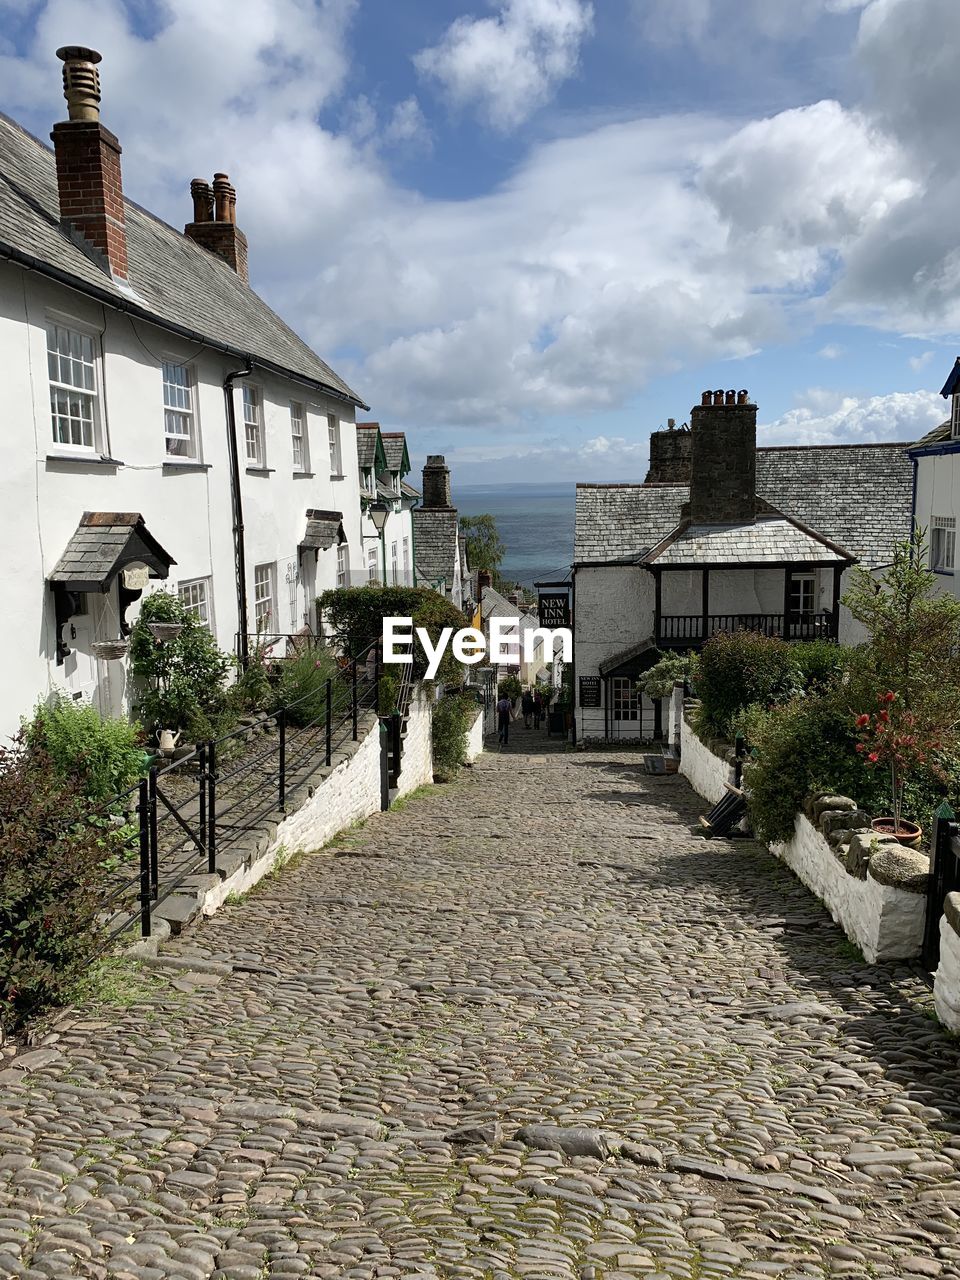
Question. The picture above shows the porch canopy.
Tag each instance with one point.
(106, 542)
(771, 542)
(324, 528)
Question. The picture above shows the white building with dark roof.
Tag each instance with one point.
(936, 489)
(388, 501)
(164, 425)
(723, 536)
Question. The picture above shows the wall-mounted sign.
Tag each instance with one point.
(555, 610)
(136, 577)
(590, 691)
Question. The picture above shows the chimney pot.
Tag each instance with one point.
(743, 397)
(706, 398)
(221, 195)
(81, 81)
(202, 194)
(718, 397)
(731, 397)
(671, 424)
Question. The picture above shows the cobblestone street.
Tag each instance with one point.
(528, 1024)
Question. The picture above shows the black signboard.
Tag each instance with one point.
(555, 610)
(590, 691)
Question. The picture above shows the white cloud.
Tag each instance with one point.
(408, 125)
(702, 22)
(921, 361)
(832, 351)
(829, 417)
(509, 65)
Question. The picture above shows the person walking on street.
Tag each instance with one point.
(504, 714)
(537, 709)
(526, 704)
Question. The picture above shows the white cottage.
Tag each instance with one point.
(163, 424)
(936, 489)
(722, 536)
(388, 503)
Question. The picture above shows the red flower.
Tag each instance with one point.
(884, 716)
(873, 757)
(889, 697)
(862, 721)
(861, 746)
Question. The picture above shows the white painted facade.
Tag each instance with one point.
(45, 489)
(937, 510)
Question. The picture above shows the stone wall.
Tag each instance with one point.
(475, 737)
(417, 765)
(706, 772)
(946, 983)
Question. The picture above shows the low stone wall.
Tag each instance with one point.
(706, 772)
(417, 765)
(872, 886)
(475, 737)
(946, 983)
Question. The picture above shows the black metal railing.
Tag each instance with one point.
(688, 629)
(182, 817)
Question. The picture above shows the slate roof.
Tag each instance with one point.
(368, 440)
(386, 492)
(771, 539)
(435, 543)
(324, 528)
(173, 281)
(395, 451)
(939, 435)
(106, 541)
(494, 605)
(408, 490)
(856, 496)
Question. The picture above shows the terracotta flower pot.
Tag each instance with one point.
(908, 833)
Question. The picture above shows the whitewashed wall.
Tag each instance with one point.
(938, 494)
(417, 770)
(44, 490)
(475, 737)
(946, 985)
(706, 773)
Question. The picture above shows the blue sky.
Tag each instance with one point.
(530, 231)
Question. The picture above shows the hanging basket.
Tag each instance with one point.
(164, 630)
(109, 650)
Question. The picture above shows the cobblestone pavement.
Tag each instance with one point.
(528, 1025)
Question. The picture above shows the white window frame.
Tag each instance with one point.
(406, 555)
(264, 597)
(943, 544)
(623, 694)
(804, 582)
(188, 412)
(394, 560)
(343, 565)
(955, 416)
(299, 440)
(373, 564)
(196, 596)
(369, 480)
(253, 436)
(58, 387)
(335, 444)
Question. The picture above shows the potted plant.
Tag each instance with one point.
(892, 737)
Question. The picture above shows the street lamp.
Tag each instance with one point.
(378, 513)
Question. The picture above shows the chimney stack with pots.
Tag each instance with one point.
(669, 455)
(436, 483)
(88, 163)
(214, 224)
(723, 459)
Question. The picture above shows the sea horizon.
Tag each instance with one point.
(535, 523)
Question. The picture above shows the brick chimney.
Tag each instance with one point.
(723, 463)
(436, 483)
(484, 579)
(670, 455)
(88, 162)
(214, 224)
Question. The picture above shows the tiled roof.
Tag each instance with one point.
(104, 542)
(368, 437)
(408, 490)
(494, 605)
(939, 435)
(435, 543)
(386, 492)
(771, 539)
(324, 528)
(856, 496)
(172, 279)
(395, 450)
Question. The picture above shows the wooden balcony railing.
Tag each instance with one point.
(687, 630)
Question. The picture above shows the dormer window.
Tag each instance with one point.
(368, 481)
(955, 416)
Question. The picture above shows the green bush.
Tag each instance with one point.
(181, 681)
(301, 687)
(510, 687)
(50, 883)
(355, 616)
(452, 717)
(99, 757)
(672, 668)
(818, 662)
(737, 670)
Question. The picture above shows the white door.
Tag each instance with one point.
(80, 666)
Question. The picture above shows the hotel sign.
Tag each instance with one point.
(555, 610)
(590, 691)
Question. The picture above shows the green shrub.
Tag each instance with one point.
(181, 681)
(510, 687)
(50, 883)
(355, 617)
(99, 757)
(672, 668)
(737, 670)
(452, 717)
(301, 687)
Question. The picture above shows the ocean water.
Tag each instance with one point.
(535, 522)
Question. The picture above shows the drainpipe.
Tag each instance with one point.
(239, 550)
(913, 504)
